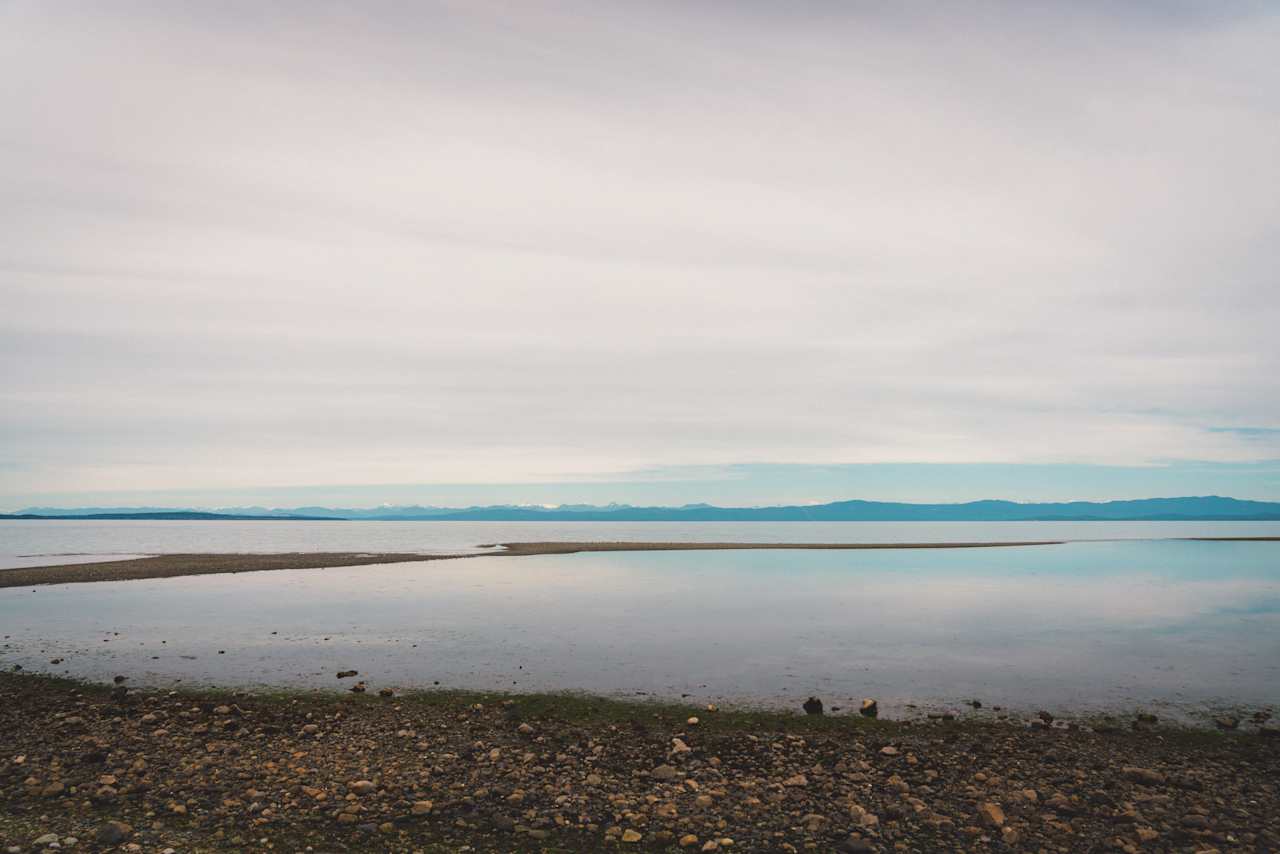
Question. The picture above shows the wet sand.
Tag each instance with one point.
(176, 565)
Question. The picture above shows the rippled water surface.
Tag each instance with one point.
(1175, 625)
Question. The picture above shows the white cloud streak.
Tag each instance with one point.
(451, 242)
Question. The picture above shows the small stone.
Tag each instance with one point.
(796, 780)
(1146, 834)
(663, 772)
(678, 746)
(630, 835)
(711, 845)
(889, 750)
(691, 722)
(991, 814)
(1195, 820)
(114, 832)
(687, 840)
(364, 787)
(524, 729)
(1143, 775)
(812, 706)
(1227, 722)
(357, 688)
(386, 692)
(47, 839)
(1010, 836)
(421, 807)
(347, 674)
(870, 708)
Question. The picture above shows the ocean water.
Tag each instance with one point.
(39, 542)
(1178, 627)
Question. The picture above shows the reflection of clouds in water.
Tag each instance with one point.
(1021, 624)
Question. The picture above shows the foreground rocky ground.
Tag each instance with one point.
(94, 769)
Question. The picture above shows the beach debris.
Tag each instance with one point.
(870, 708)
(347, 674)
(812, 706)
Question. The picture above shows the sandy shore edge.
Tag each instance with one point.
(176, 565)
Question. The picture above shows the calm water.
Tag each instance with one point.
(34, 542)
(1181, 627)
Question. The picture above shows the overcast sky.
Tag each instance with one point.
(269, 248)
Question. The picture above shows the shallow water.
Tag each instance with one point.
(21, 540)
(1181, 627)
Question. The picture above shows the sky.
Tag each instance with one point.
(668, 252)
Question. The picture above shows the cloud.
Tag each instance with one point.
(471, 242)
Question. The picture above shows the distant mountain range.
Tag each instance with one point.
(1204, 508)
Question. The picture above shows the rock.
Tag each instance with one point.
(889, 750)
(1227, 722)
(47, 839)
(1146, 834)
(812, 706)
(663, 772)
(421, 808)
(691, 722)
(310, 729)
(855, 845)
(1044, 716)
(1195, 820)
(711, 845)
(630, 835)
(363, 787)
(347, 674)
(222, 710)
(119, 679)
(870, 709)
(796, 780)
(991, 814)
(1145, 776)
(357, 688)
(386, 692)
(678, 746)
(687, 840)
(524, 729)
(1010, 836)
(113, 833)
(1269, 731)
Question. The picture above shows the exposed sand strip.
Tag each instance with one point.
(174, 565)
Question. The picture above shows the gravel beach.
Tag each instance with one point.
(100, 768)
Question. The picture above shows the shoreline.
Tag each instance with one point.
(496, 772)
(179, 565)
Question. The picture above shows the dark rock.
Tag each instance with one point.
(813, 706)
(347, 674)
(870, 709)
(113, 833)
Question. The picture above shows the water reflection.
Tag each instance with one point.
(1083, 626)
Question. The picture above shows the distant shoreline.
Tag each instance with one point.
(178, 565)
